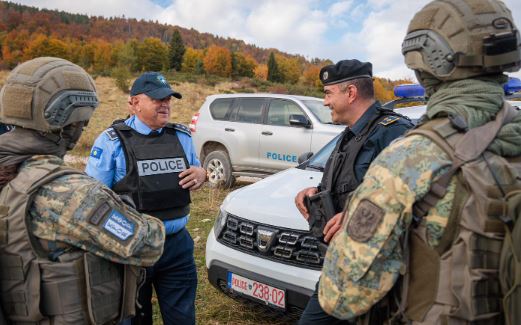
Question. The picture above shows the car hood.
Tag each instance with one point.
(272, 200)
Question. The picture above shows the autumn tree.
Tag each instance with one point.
(102, 57)
(12, 47)
(311, 77)
(261, 72)
(42, 45)
(381, 92)
(193, 61)
(218, 61)
(152, 55)
(289, 68)
(274, 74)
(243, 65)
(177, 50)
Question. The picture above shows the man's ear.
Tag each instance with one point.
(352, 93)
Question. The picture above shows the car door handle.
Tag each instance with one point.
(229, 130)
(267, 133)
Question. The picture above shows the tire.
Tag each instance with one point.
(219, 168)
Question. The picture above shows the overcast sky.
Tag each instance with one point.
(369, 30)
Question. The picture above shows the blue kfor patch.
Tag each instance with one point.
(119, 225)
(96, 152)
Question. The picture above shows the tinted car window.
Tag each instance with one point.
(321, 112)
(280, 111)
(220, 108)
(318, 161)
(250, 110)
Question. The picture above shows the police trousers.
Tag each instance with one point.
(174, 278)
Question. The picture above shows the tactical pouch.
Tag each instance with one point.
(510, 262)
(104, 289)
(63, 290)
(133, 277)
(20, 289)
(321, 209)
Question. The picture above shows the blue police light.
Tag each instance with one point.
(512, 86)
(409, 90)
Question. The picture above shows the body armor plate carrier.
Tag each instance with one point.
(78, 288)
(153, 166)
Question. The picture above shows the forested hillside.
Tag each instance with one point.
(122, 47)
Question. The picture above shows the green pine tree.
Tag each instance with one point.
(177, 50)
(274, 74)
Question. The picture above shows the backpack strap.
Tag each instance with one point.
(467, 148)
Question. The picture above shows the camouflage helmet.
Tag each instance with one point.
(457, 39)
(46, 94)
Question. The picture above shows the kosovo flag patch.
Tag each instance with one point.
(96, 152)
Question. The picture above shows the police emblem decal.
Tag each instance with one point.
(161, 79)
(325, 75)
(365, 221)
(265, 237)
(119, 226)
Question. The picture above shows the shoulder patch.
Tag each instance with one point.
(389, 120)
(182, 128)
(119, 226)
(96, 152)
(365, 221)
(111, 134)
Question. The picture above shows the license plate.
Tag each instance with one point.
(257, 290)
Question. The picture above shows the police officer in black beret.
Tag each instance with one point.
(349, 94)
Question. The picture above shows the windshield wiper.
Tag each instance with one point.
(319, 168)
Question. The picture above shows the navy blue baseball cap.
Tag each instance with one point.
(154, 85)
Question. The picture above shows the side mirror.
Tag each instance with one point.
(305, 156)
(299, 120)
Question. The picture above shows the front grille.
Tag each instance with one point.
(288, 246)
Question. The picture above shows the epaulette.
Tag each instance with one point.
(111, 134)
(389, 120)
(182, 128)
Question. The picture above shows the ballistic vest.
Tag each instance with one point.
(76, 288)
(339, 172)
(458, 281)
(153, 165)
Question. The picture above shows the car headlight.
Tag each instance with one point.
(220, 222)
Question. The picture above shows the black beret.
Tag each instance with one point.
(345, 70)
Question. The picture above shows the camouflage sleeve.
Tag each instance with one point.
(364, 260)
(84, 213)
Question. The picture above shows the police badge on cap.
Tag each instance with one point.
(345, 70)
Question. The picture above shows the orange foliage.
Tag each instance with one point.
(261, 72)
(218, 61)
(311, 76)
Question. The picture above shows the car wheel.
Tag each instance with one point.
(219, 169)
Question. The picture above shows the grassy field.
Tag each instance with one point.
(212, 306)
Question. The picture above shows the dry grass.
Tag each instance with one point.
(212, 306)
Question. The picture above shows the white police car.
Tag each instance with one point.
(258, 134)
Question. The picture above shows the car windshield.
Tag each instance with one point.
(321, 112)
(318, 160)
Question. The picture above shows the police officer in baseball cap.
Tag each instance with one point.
(153, 161)
(349, 94)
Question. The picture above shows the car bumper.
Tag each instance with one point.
(299, 283)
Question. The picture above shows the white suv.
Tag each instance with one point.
(260, 246)
(258, 134)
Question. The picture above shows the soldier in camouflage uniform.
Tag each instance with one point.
(70, 249)
(458, 50)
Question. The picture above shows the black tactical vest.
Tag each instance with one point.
(339, 172)
(153, 165)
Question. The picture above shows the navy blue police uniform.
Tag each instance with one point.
(355, 150)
